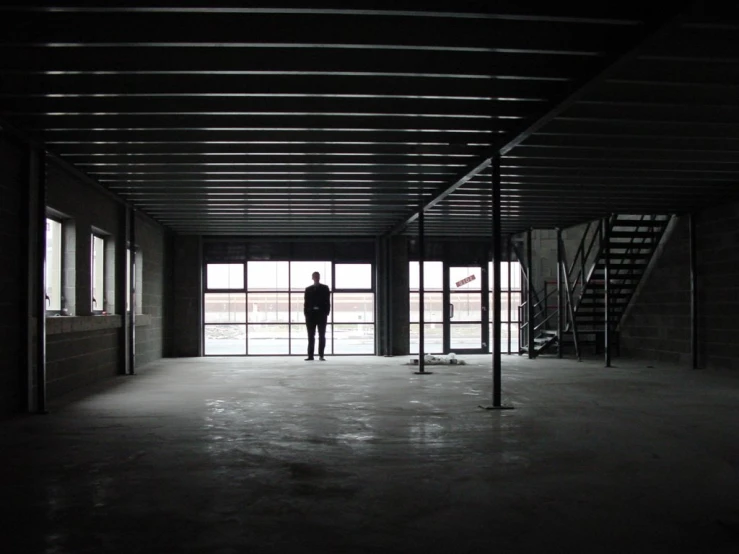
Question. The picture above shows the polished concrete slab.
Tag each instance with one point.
(358, 454)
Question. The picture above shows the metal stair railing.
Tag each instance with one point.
(541, 309)
(542, 314)
(650, 223)
(585, 261)
(523, 323)
(570, 313)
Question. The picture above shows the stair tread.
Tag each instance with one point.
(598, 291)
(634, 234)
(602, 265)
(626, 255)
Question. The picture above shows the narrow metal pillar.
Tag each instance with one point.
(132, 293)
(389, 300)
(559, 293)
(37, 177)
(693, 292)
(497, 255)
(530, 294)
(496, 232)
(606, 290)
(421, 260)
(510, 286)
(379, 282)
(123, 267)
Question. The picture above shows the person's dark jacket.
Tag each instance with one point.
(317, 300)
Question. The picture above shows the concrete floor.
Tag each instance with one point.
(359, 455)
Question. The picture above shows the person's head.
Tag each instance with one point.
(316, 277)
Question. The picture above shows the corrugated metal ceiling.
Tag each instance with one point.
(246, 119)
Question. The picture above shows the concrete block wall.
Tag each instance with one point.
(657, 325)
(81, 356)
(12, 275)
(150, 330)
(186, 297)
(82, 353)
(717, 237)
(400, 300)
(88, 208)
(544, 251)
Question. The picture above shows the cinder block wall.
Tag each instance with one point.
(657, 326)
(186, 297)
(86, 349)
(150, 328)
(82, 351)
(79, 358)
(717, 236)
(400, 298)
(544, 252)
(12, 274)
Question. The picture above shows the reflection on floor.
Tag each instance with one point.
(359, 454)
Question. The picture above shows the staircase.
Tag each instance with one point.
(627, 244)
(544, 319)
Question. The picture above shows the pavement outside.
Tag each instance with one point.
(359, 454)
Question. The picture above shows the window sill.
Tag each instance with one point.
(57, 325)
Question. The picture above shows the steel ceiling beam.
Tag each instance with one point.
(652, 32)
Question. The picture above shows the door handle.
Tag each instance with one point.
(451, 311)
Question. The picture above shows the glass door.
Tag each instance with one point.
(466, 313)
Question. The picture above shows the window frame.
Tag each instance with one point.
(53, 311)
(95, 234)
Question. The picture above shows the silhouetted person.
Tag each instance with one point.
(316, 307)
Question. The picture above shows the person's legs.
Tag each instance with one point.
(321, 335)
(310, 324)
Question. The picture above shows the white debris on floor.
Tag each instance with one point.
(429, 359)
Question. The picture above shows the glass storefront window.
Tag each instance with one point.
(353, 276)
(433, 307)
(266, 315)
(301, 274)
(465, 306)
(354, 339)
(225, 340)
(433, 276)
(433, 338)
(351, 307)
(268, 339)
(225, 307)
(267, 276)
(465, 278)
(268, 307)
(224, 276)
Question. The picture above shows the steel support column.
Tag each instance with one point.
(605, 234)
(421, 260)
(379, 307)
(530, 294)
(508, 257)
(132, 294)
(693, 292)
(122, 272)
(496, 232)
(560, 255)
(37, 229)
(389, 300)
